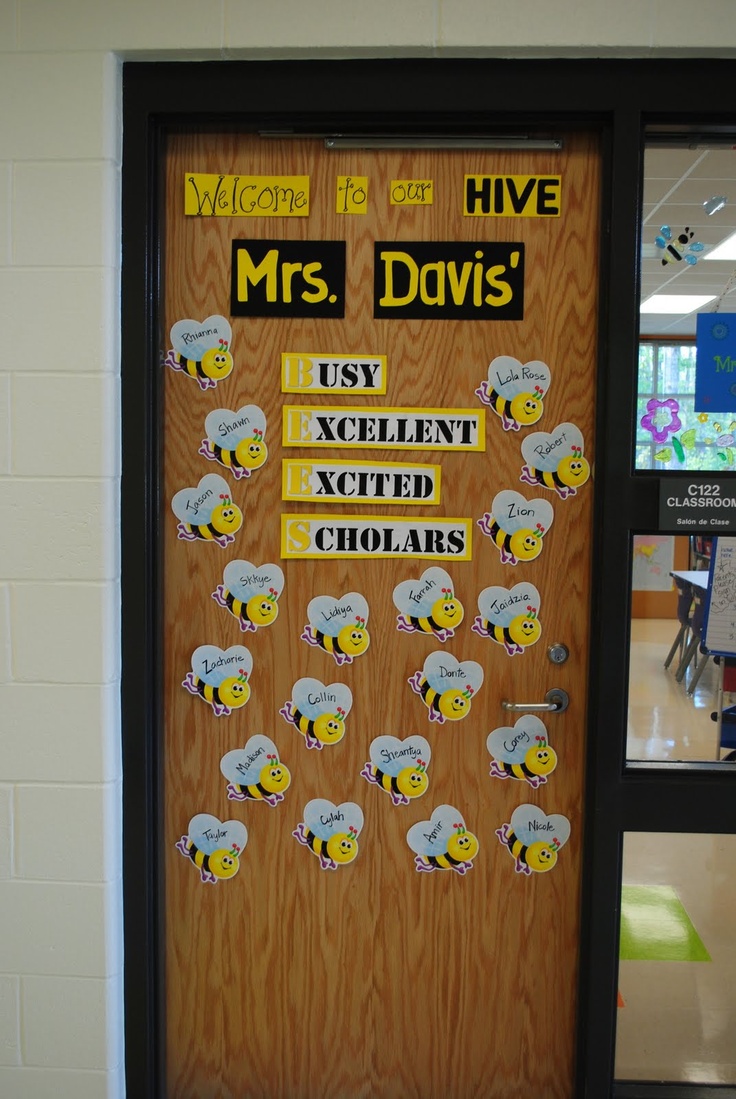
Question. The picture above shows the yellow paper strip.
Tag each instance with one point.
(245, 196)
(384, 428)
(513, 196)
(411, 192)
(311, 480)
(350, 536)
(302, 373)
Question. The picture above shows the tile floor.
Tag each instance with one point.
(679, 1018)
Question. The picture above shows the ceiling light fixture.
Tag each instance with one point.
(725, 250)
(675, 303)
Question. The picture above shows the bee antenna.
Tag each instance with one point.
(243, 677)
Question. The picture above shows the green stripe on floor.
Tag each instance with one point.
(656, 928)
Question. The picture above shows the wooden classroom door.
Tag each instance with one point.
(335, 663)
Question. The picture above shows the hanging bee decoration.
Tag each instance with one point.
(443, 842)
(255, 772)
(399, 767)
(251, 593)
(555, 460)
(215, 847)
(515, 391)
(509, 617)
(534, 839)
(206, 513)
(338, 626)
(201, 350)
(428, 605)
(681, 247)
(522, 752)
(516, 526)
(220, 677)
(236, 439)
(318, 711)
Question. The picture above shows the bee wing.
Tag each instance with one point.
(193, 339)
(329, 615)
(245, 580)
(392, 755)
(326, 819)
(417, 597)
(313, 698)
(531, 824)
(443, 671)
(227, 428)
(244, 765)
(544, 450)
(430, 837)
(214, 665)
(500, 744)
(666, 232)
(513, 512)
(209, 834)
(195, 505)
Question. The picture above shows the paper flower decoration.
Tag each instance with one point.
(652, 421)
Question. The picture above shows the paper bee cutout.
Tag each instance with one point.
(534, 839)
(509, 617)
(515, 391)
(207, 513)
(428, 605)
(318, 712)
(255, 772)
(555, 460)
(214, 846)
(522, 752)
(681, 247)
(201, 349)
(235, 439)
(399, 767)
(338, 626)
(220, 677)
(330, 831)
(516, 526)
(446, 686)
(443, 842)
(250, 593)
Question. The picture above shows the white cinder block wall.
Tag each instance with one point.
(61, 1012)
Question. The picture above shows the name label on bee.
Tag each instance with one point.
(360, 482)
(210, 665)
(497, 605)
(244, 766)
(525, 375)
(430, 837)
(542, 449)
(401, 428)
(331, 818)
(322, 696)
(513, 196)
(453, 279)
(195, 505)
(540, 826)
(207, 195)
(224, 428)
(288, 278)
(215, 833)
(301, 373)
(520, 738)
(351, 536)
(451, 673)
(387, 755)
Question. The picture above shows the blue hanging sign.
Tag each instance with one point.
(715, 366)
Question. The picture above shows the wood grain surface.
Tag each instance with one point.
(289, 982)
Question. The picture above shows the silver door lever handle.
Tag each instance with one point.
(555, 701)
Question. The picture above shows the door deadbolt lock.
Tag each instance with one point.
(558, 653)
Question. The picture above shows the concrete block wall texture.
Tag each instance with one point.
(61, 1010)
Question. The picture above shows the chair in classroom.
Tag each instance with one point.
(684, 604)
(694, 645)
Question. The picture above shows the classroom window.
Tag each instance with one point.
(670, 434)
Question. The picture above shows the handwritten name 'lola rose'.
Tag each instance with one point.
(526, 374)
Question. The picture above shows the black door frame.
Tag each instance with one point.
(618, 98)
